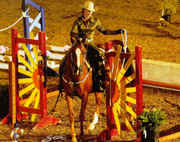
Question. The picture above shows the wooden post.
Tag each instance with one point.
(110, 116)
(25, 19)
(14, 46)
(26, 26)
(15, 107)
(12, 95)
(42, 21)
(139, 90)
(42, 74)
(111, 131)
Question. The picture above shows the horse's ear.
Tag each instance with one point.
(83, 39)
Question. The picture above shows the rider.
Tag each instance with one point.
(83, 30)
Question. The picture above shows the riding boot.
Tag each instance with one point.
(99, 77)
(98, 85)
(101, 74)
(96, 62)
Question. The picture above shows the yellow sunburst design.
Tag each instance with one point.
(118, 91)
(32, 74)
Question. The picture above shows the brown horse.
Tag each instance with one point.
(77, 80)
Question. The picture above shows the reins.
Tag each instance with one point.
(78, 82)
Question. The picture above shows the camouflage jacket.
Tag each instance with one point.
(83, 29)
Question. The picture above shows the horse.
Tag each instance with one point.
(78, 80)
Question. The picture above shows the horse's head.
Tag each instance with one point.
(78, 57)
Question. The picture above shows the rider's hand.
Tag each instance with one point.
(119, 31)
(101, 52)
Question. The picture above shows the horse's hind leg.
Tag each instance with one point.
(84, 100)
(71, 117)
(97, 111)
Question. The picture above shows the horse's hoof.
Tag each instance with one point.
(91, 127)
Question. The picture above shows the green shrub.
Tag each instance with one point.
(151, 119)
(169, 6)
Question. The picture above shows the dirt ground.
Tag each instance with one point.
(139, 18)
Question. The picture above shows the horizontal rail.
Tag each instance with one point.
(150, 68)
(27, 41)
(53, 60)
(122, 55)
(33, 4)
(51, 64)
(49, 95)
(162, 21)
(169, 137)
(161, 85)
(29, 110)
(55, 48)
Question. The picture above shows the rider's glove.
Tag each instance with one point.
(101, 52)
(119, 31)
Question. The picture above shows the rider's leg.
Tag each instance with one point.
(98, 68)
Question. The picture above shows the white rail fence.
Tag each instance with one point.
(155, 73)
(53, 61)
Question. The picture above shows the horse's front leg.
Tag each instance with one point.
(97, 111)
(71, 117)
(84, 100)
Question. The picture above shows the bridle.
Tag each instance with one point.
(74, 67)
(73, 83)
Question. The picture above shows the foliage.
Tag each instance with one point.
(151, 119)
(3, 49)
(168, 6)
